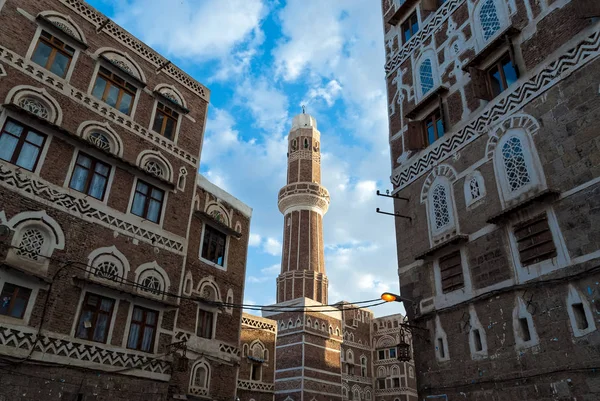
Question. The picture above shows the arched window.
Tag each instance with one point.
(36, 101)
(440, 207)
(244, 350)
(368, 395)
(356, 395)
(490, 22)
(395, 371)
(154, 167)
(229, 306)
(200, 378)
(344, 392)
(580, 313)
(152, 280)
(523, 326)
(363, 366)
(515, 165)
(154, 163)
(426, 76)
(35, 106)
(108, 264)
(411, 372)
(316, 325)
(349, 356)
(102, 136)
(474, 188)
(381, 372)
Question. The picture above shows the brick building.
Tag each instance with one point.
(492, 109)
(324, 352)
(114, 253)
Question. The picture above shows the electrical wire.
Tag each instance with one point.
(271, 308)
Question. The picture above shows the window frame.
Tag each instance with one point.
(54, 50)
(94, 160)
(225, 247)
(20, 142)
(498, 64)
(109, 78)
(15, 295)
(134, 191)
(63, 37)
(407, 22)
(203, 313)
(435, 116)
(176, 119)
(110, 319)
(143, 326)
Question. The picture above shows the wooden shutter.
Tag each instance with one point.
(429, 5)
(589, 8)
(415, 140)
(451, 272)
(534, 240)
(479, 84)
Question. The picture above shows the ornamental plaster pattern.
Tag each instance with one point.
(100, 108)
(131, 42)
(416, 42)
(305, 155)
(26, 340)
(31, 187)
(303, 194)
(259, 324)
(576, 57)
(255, 386)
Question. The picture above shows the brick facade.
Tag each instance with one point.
(104, 267)
(502, 253)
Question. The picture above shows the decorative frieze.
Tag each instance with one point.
(255, 386)
(303, 194)
(32, 187)
(99, 107)
(576, 57)
(259, 324)
(67, 351)
(136, 45)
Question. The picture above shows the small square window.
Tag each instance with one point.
(143, 329)
(409, 27)
(95, 318)
(53, 54)
(433, 126)
(451, 272)
(381, 354)
(213, 245)
(114, 90)
(90, 176)
(205, 324)
(14, 300)
(534, 240)
(165, 121)
(147, 201)
(501, 75)
(392, 352)
(20, 145)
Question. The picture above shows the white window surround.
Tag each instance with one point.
(202, 363)
(95, 155)
(56, 17)
(36, 126)
(215, 312)
(530, 272)
(90, 127)
(476, 325)
(226, 251)
(120, 57)
(474, 188)
(18, 279)
(575, 297)
(520, 312)
(105, 293)
(181, 180)
(411, 372)
(53, 238)
(428, 54)
(177, 126)
(146, 156)
(152, 270)
(442, 299)
(111, 255)
(451, 225)
(20, 92)
(142, 220)
(476, 24)
(440, 335)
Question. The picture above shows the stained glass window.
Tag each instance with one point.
(426, 75)
(515, 166)
(488, 15)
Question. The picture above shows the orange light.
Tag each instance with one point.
(387, 297)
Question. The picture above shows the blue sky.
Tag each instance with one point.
(262, 60)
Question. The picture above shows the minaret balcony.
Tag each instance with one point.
(303, 195)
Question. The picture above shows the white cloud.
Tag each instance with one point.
(187, 28)
(271, 271)
(254, 240)
(272, 246)
(329, 93)
(267, 104)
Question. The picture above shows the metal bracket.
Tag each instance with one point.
(387, 195)
(393, 214)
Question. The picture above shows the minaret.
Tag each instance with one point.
(303, 202)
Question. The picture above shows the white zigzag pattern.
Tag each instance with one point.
(576, 57)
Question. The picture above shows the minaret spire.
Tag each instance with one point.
(303, 202)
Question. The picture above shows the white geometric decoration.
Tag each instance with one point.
(108, 270)
(99, 140)
(34, 106)
(151, 284)
(474, 188)
(31, 244)
(514, 164)
(154, 168)
(440, 206)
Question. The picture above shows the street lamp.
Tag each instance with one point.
(389, 297)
